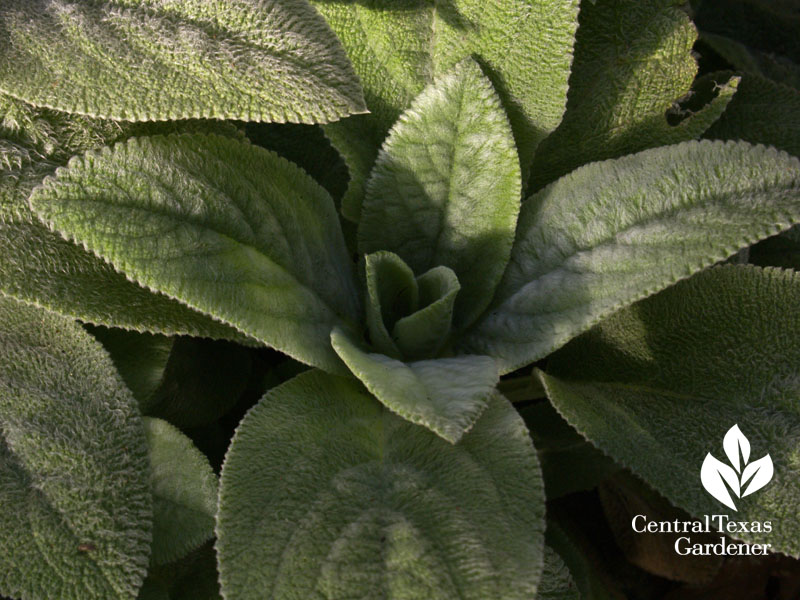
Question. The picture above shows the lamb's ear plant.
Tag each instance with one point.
(499, 213)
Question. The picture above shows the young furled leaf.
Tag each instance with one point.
(423, 333)
(76, 510)
(657, 385)
(230, 229)
(324, 493)
(446, 187)
(613, 232)
(151, 60)
(418, 311)
(623, 84)
(398, 48)
(392, 292)
(446, 395)
(184, 493)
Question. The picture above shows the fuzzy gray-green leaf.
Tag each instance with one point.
(184, 493)
(418, 311)
(392, 292)
(325, 493)
(446, 395)
(613, 232)
(148, 60)
(38, 266)
(74, 481)
(231, 230)
(446, 187)
(658, 385)
(633, 62)
(397, 48)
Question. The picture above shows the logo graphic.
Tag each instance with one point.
(716, 474)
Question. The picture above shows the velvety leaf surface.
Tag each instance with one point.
(633, 62)
(556, 583)
(150, 60)
(76, 506)
(446, 395)
(38, 266)
(765, 112)
(446, 187)
(325, 493)
(228, 228)
(613, 232)
(184, 492)
(721, 347)
(397, 48)
(762, 112)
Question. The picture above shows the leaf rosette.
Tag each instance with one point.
(393, 468)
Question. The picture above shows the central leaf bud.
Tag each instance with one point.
(408, 317)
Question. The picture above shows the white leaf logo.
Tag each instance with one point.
(720, 479)
(734, 444)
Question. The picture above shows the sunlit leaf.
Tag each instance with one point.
(229, 229)
(146, 60)
(446, 395)
(445, 190)
(613, 232)
(325, 493)
(399, 47)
